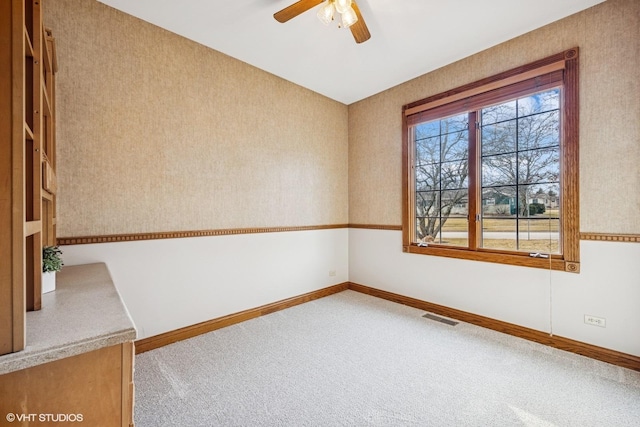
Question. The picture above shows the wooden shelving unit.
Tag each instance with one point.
(96, 382)
(27, 169)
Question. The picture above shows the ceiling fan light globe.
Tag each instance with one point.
(325, 13)
(349, 18)
(343, 6)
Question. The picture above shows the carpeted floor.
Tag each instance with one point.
(354, 360)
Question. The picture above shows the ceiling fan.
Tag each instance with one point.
(347, 9)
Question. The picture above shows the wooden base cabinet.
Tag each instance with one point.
(92, 389)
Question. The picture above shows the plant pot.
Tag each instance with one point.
(48, 282)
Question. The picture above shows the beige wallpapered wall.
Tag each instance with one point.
(608, 36)
(158, 133)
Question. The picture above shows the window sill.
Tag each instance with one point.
(509, 258)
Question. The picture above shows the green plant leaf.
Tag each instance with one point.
(51, 260)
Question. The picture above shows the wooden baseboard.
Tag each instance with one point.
(157, 341)
(594, 352)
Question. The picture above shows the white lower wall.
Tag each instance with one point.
(172, 283)
(608, 286)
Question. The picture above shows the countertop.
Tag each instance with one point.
(83, 314)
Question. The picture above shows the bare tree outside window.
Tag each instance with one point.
(442, 169)
(520, 156)
(520, 152)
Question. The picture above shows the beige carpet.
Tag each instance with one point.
(354, 360)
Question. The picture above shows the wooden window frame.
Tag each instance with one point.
(559, 70)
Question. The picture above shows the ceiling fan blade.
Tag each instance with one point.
(295, 9)
(359, 29)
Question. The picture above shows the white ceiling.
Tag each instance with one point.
(408, 38)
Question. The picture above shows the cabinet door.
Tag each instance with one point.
(95, 387)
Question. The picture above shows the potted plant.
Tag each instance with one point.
(51, 263)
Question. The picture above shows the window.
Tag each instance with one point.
(491, 168)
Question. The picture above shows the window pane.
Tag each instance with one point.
(499, 233)
(499, 113)
(539, 130)
(539, 234)
(428, 177)
(520, 165)
(428, 229)
(451, 231)
(499, 138)
(549, 195)
(539, 102)
(454, 175)
(499, 170)
(525, 193)
(428, 150)
(499, 201)
(426, 130)
(525, 235)
(539, 166)
(455, 146)
(455, 124)
(454, 231)
(455, 202)
(427, 203)
(454, 219)
(442, 212)
(441, 176)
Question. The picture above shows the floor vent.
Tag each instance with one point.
(440, 319)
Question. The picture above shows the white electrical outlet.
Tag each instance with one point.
(595, 321)
(332, 273)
